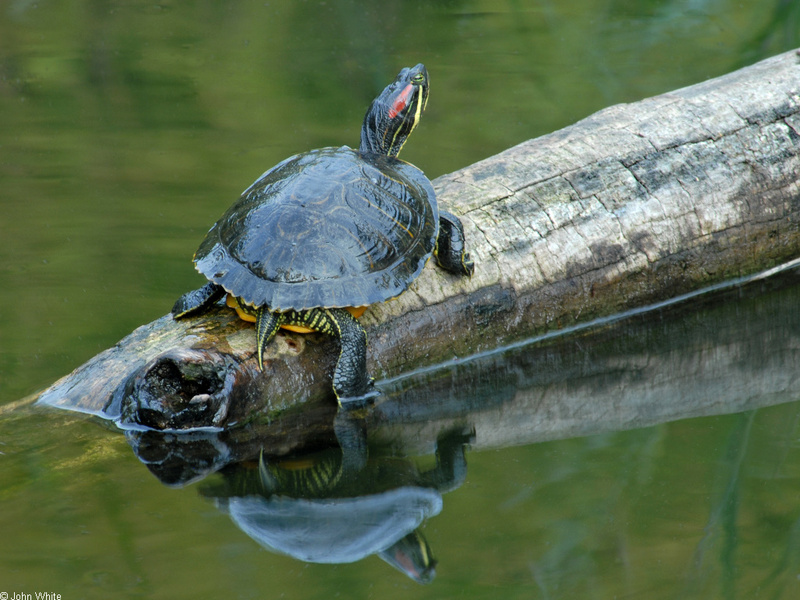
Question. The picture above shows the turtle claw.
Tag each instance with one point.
(267, 325)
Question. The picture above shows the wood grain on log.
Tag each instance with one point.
(635, 204)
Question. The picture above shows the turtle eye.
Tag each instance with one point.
(418, 78)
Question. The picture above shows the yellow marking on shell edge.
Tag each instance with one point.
(297, 328)
(356, 311)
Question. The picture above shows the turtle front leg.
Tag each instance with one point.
(450, 248)
(267, 325)
(197, 300)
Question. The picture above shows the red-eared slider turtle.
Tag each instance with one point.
(326, 233)
(336, 505)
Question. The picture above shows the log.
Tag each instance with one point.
(693, 358)
(636, 204)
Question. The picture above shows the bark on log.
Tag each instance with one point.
(689, 359)
(635, 204)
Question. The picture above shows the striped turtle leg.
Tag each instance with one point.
(350, 379)
(451, 247)
(267, 325)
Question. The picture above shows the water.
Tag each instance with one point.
(127, 129)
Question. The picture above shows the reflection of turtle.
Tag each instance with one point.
(318, 508)
(325, 233)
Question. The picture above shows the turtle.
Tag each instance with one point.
(337, 505)
(324, 234)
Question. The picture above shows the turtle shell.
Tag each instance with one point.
(326, 228)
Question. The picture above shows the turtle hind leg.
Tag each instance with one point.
(197, 300)
(451, 247)
(267, 325)
(351, 383)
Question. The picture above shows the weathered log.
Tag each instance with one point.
(635, 204)
(687, 359)
(691, 358)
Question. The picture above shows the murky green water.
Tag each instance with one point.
(126, 128)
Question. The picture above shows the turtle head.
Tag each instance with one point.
(393, 115)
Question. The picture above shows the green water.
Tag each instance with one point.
(125, 130)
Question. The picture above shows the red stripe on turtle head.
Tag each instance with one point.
(401, 101)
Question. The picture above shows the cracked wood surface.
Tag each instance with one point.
(635, 204)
